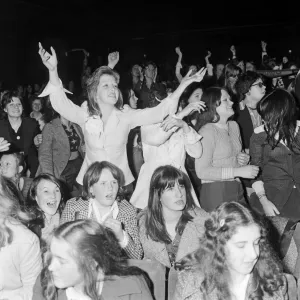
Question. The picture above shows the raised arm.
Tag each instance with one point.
(208, 64)
(58, 98)
(178, 65)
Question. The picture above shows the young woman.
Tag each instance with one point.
(36, 106)
(102, 201)
(171, 225)
(234, 260)
(222, 161)
(45, 201)
(20, 257)
(104, 121)
(83, 262)
(275, 148)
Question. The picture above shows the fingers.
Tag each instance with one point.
(53, 51)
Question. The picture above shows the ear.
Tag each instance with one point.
(20, 169)
(91, 191)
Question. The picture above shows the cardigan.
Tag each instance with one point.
(189, 242)
(107, 143)
(54, 151)
(118, 288)
(189, 282)
(78, 209)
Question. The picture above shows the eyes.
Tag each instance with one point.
(242, 245)
(106, 86)
(171, 188)
(46, 191)
(104, 183)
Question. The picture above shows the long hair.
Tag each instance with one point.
(95, 249)
(212, 98)
(279, 112)
(187, 93)
(38, 221)
(162, 178)
(210, 258)
(92, 88)
(10, 208)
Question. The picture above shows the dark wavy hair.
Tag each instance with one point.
(38, 222)
(11, 207)
(162, 178)
(8, 98)
(92, 88)
(279, 112)
(245, 82)
(212, 98)
(210, 258)
(93, 175)
(95, 249)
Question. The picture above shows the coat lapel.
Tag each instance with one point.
(61, 136)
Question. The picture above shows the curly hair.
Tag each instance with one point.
(95, 249)
(162, 178)
(279, 112)
(92, 88)
(210, 259)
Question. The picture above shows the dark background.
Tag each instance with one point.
(139, 30)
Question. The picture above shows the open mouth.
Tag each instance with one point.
(180, 202)
(110, 197)
(51, 204)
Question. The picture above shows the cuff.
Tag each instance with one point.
(125, 241)
(192, 137)
(258, 187)
(227, 173)
(50, 88)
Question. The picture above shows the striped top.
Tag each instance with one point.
(221, 145)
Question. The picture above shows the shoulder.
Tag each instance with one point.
(208, 129)
(198, 214)
(77, 204)
(234, 125)
(30, 122)
(127, 210)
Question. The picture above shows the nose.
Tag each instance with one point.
(252, 252)
(178, 191)
(53, 265)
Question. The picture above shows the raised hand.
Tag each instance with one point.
(171, 122)
(178, 51)
(113, 59)
(49, 60)
(197, 77)
(264, 46)
(208, 55)
(232, 49)
(191, 107)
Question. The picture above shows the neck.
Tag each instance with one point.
(102, 209)
(65, 121)
(135, 78)
(250, 103)
(36, 113)
(106, 110)
(171, 216)
(223, 121)
(238, 279)
(14, 121)
(149, 81)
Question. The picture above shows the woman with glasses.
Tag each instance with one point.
(275, 148)
(22, 133)
(222, 161)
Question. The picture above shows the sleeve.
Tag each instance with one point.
(256, 159)
(32, 158)
(192, 143)
(30, 266)
(63, 105)
(154, 135)
(68, 213)
(204, 165)
(134, 248)
(147, 116)
(46, 151)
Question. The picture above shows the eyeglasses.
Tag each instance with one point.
(260, 84)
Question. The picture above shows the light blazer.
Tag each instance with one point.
(54, 151)
(119, 288)
(78, 209)
(190, 239)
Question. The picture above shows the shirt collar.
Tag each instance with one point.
(93, 209)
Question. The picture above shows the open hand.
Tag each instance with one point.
(49, 60)
(4, 145)
(191, 107)
(197, 77)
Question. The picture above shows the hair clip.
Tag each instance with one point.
(222, 222)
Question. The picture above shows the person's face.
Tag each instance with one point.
(106, 189)
(8, 166)
(135, 71)
(108, 92)
(41, 124)
(256, 91)
(133, 100)
(233, 78)
(242, 250)
(225, 108)
(149, 71)
(285, 60)
(196, 96)
(48, 197)
(36, 87)
(14, 109)
(174, 198)
(36, 105)
(194, 69)
(29, 89)
(219, 70)
(20, 89)
(63, 267)
(241, 64)
(250, 67)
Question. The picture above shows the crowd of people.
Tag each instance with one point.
(149, 189)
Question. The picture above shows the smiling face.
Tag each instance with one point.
(63, 267)
(242, 250)
(48, 197)
(36, 105)
(196, 96)
(108, 92)
(173, 198)
(106, 189)
(14, 109)
(225, 108)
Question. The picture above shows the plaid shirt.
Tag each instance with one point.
(78, 209)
